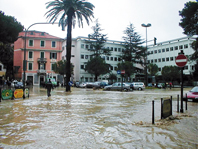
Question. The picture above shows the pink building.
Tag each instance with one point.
(42, 50)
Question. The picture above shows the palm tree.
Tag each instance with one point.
(70, 11)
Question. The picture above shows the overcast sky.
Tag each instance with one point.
(113, 15)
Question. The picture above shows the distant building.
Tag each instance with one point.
(80, 55)
(165, 53)
(42, 50)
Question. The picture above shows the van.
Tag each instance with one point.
(138, 86)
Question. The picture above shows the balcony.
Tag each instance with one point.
(41, 71)
(42, 60)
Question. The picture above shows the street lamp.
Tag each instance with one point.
(24, 59)
(146, 78)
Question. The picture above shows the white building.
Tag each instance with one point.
(80, 55)
(165, 53)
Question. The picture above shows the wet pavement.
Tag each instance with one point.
(96, 119)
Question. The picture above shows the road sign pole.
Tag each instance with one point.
(181, 110)
(182, 68)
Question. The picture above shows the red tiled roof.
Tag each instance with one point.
(38, 34)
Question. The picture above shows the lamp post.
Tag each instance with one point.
(146, 76)
(24, 60)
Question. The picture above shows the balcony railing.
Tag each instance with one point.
(42, 59)
(41, 71)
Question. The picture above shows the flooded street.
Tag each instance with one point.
(96, 119)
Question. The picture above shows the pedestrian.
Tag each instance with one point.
(170, 84)
(49, 86)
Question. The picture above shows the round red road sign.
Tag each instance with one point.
(181, 60)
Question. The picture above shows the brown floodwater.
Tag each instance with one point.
(96, 119)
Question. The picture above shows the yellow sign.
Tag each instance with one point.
(18, 93)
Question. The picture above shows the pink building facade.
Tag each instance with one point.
(42, 51)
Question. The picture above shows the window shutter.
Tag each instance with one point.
(50, 55)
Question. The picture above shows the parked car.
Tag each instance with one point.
(138, 86)
(192, 94)
(131, 85)
(117, 86)
(83, 85)
(18, 85)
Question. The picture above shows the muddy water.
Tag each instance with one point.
(88, 118)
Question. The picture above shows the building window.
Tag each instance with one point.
(155, 51)
(171, 58)
(152, 61)
(159, 60)
(53, 55)
(31, 33)
(30, 66)
(159, 69)
(167, 49)
(185, 46)
(42, 54)
(82, 46)
(53, 66)
(111, 58)
(186, 67)
(151, 52)
(163, 50)
(148, 61)
(171, 48)
(31, 43)
(42, 34)
(115, 59)
(107, 58)
(86, 56)
(53, 44)
(163, 59)
(41, 66)
(181, 47)
(155, 60)
(82, 66)
(30, 54)
(115, 49)
(167, 59)
(42, 43)
(111, 48)
(159, 51)
(119, 49)
(176, 47)
(87, 46)
(82, 56)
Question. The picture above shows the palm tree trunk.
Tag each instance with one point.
(68, 55)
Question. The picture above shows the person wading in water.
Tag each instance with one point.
(49, 86)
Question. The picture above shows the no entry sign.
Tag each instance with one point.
(181, 60)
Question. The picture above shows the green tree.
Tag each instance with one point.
(97, 66)
(59, 67)
(112, 77)
(170, 73)
(128, 67)
(9, 30)
(97, 41)
(133, 52)
(153, 69)
(189, 23)
(70, 10)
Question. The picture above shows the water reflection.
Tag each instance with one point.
(92, 119)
